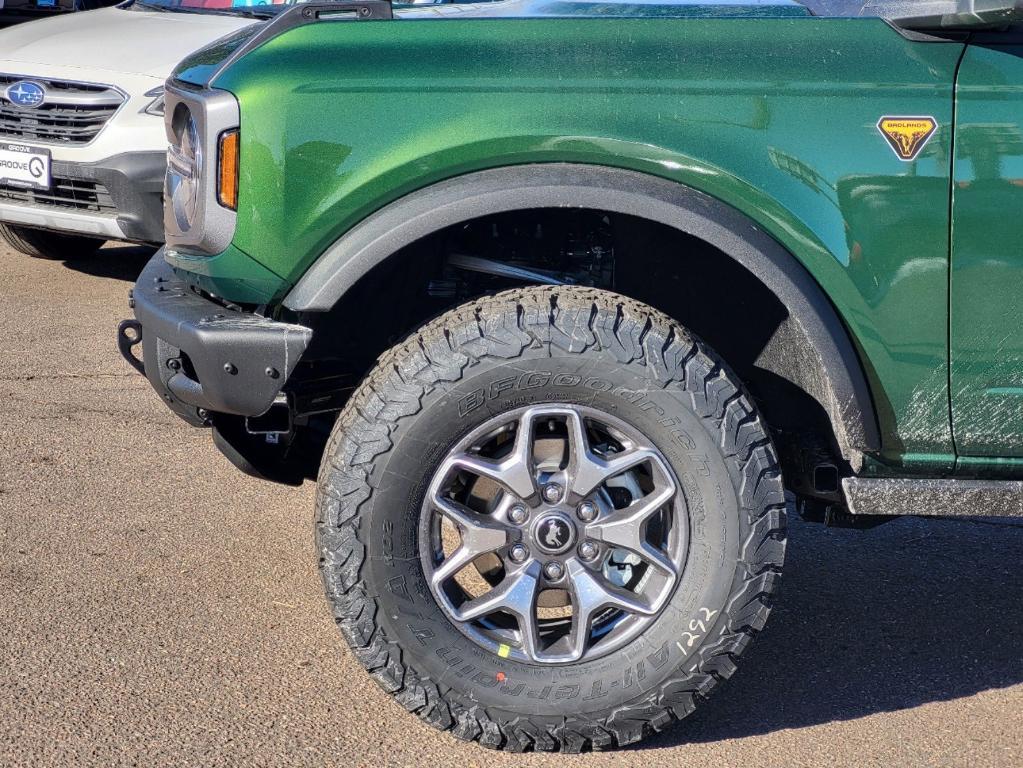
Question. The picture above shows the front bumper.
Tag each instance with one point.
(202, 357)
(120, 198)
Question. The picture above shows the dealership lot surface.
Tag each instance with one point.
(158, 608)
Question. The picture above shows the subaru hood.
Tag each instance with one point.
(127, 40)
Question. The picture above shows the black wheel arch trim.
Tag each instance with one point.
(838, 382)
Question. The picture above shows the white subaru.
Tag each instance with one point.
(82, 142)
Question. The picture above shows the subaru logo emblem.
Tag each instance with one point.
(25, 94)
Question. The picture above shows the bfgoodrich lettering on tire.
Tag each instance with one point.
(551, 519)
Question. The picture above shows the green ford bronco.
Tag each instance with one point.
(561, 303)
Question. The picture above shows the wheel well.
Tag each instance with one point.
(678, 273)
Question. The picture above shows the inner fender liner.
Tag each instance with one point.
(828, 367)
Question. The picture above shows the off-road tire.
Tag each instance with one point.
(376, 453)
(43, 244)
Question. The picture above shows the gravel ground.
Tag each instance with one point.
(159, 608)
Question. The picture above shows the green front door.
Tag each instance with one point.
(987, 255)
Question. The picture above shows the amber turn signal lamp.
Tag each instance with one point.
(227, 173)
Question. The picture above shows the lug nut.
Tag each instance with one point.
(518, 554)
(588, 550)
(553, 570)
(518, 514)
(587, 512)
(552, 493)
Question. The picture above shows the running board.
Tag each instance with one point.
(934, 498)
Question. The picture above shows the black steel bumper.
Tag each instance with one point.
(202, 357)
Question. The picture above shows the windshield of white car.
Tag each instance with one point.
(261, 9)
(255, 8)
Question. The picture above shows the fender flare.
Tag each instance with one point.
(837, 379)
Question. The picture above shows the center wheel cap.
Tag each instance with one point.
(554, 533)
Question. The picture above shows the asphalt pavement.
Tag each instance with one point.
(159, 608)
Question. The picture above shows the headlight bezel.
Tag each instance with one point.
(194, 219)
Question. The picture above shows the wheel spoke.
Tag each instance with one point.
(452, 564)
(480, 534)
(591, 593)
(626, 528)
(516, 594)
(588, 471)
(515, 472)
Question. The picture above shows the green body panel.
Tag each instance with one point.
(338, 119)
(987, 256)
(232, 274)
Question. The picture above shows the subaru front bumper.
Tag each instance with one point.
(120, 198)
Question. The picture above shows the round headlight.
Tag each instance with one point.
(184, 173)
(201, 190)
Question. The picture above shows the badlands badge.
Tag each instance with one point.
(907, 135)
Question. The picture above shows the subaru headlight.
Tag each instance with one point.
(156, 106)
(201, 189)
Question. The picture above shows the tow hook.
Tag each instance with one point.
(129, 335)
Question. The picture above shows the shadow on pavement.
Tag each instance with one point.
(117, 262)
(915, 611)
